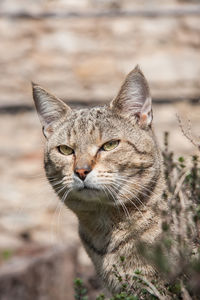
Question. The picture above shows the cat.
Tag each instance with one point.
(105, 165)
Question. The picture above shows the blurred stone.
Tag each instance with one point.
(48, 275)
(9, 242)
(86, 59)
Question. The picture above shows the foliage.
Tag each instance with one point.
(80, 290)
(6, 254)
(177, 255)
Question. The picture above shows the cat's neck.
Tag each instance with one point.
(103, 217)
(108, 219)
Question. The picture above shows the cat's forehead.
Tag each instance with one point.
(93, 126)
(88, 121)
(88, 125)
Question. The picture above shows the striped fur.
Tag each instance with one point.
(119, 202)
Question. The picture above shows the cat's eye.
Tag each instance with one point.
(65, 150)
(110, 145)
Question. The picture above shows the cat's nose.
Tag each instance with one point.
(82, 172)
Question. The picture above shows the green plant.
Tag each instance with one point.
(80, 290)
(177, 254)
(6, 254)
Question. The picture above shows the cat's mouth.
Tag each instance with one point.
(87, 188)
(87, 193)
(85, 185)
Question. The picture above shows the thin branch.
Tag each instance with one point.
(153, 290)
(180, 182)
(187, 132)
(184, 292)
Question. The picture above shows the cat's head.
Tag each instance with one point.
(103, 154)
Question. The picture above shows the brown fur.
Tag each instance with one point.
(120, 200)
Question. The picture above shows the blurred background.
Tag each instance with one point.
(80, 50)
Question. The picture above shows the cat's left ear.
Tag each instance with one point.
(134, 98)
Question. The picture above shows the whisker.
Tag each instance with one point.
(52, 219)
(130, 192)
(137, 183)
(57, 182)
(116, 186)
(134, 196)
(58, 209)
(62, 207)
(140, 192)
(131, 202)
(121, 203)
(110, 193)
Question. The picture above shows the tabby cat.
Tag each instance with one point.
(105, 165)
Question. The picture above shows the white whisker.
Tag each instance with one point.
(132, 180)
(121, 203)
(110, 193)
(128, 200)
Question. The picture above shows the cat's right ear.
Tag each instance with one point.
(134, 99)
(49, 108)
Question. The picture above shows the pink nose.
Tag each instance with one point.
(82, 172)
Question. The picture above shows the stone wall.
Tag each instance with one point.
(86, 59)
(44, 275)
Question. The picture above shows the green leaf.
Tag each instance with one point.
(181, 159)
(6, 254)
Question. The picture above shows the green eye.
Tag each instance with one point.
(65, 150)
(110, 145)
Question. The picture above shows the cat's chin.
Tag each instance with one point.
(87, 194)
(87, 199)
